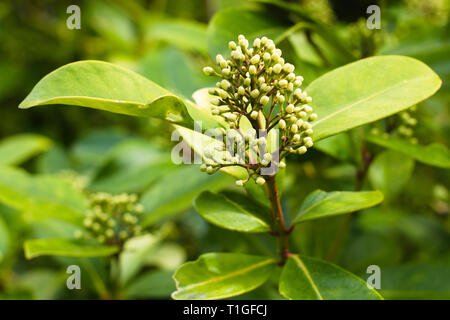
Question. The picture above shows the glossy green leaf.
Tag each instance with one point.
(305, 278)
(67, 248)
(221, 275)
(368, 90)
(434, 154)
(229, 23)
(389, 173)
(233, 211)
(41, 196)
(17, 149)
(105, 86)
(177, 190)
(320, 204)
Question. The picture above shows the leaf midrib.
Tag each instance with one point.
(368, 98)
(308, 276)
(304, 212)
(262, 222)
(226, 276)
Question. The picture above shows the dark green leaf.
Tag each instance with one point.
(305, 278)
(221, 275)
(233, 211)
(320, 204)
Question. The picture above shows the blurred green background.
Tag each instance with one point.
(169, 42)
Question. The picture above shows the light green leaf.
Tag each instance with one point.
(221, 275)
(65, 247)
(229, 23)
(17, 149)
(368, 90)
(134, 256)
(320, 204)
(389, 173)
(434, 154)
(233, 211)
(105, 86)
(176, 191)
(41, 196)
(186, 34)
(199, 143)
(305, 278)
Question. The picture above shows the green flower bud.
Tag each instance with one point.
(296, 137)
(225, 84)
(260, 181)
(282, 165)
(232, 45)
(226, 71)
(282, 124)
(277, 68)
(254, 115)
(294, 128)
(308, 132)
(255, 59)
(208, 71)
(241, 91)
(288, 68)
(302, 150)
(247, 82)
(283, 83)
(252, 70)
(307, 108)
(203, 167)
(264, 100)
(219, 58)
(109, 233)
(240, 183)
(290, 108)
(302, 114)
(254, 93)
(313, 117)
(266, 57)
(257, 43)
(215, 101)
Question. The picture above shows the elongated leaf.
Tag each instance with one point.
(434, 154)
(41, 196)
(229, 23)
(16, 149)
(105, 86)
(389, 173)
(176, 191)
(368, 90)
(221, 275)
(67, 248)
(305, 278)
(233, 211)
(321, 204)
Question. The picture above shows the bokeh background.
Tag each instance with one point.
(169, 42)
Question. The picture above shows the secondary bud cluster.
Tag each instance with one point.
(257, 84)
(400, 125)
(112, 218)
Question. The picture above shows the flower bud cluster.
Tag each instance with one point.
(112, 219)
(257, 84)
(401, 125)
